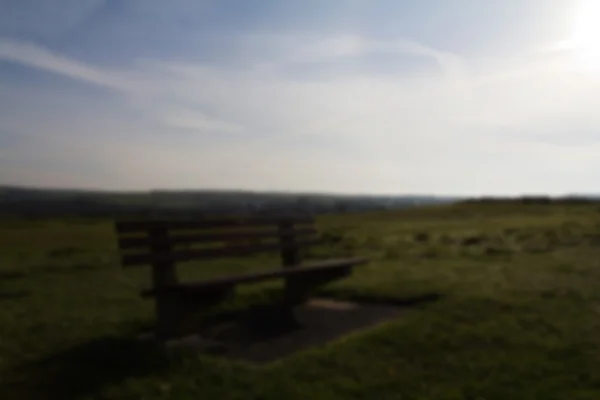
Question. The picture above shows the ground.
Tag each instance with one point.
(517, 313)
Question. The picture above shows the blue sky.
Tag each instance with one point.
(350, 96)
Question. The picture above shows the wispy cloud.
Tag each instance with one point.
(167, 90)
(37, 57)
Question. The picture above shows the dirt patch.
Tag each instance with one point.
(332, 304)
(266, 335)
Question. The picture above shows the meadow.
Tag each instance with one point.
(517, 315)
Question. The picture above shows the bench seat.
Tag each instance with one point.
(335, 267)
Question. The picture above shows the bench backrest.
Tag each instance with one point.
(164, 242)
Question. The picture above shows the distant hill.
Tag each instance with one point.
(49, 202)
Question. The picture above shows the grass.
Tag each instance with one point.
(518, 315)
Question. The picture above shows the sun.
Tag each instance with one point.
(585, 36)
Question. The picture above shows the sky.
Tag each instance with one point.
(445, 97)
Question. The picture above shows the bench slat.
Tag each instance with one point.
(342, 265)
(203, 254)
(146, 242)
(144, 226)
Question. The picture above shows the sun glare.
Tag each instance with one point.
(585, 37)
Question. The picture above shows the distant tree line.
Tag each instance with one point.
(533, 200)
(56, 203)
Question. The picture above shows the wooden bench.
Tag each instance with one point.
(163, 243)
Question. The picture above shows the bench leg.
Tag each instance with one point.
(175, 309)
(295, 291)
(298, 288)
(170, 315)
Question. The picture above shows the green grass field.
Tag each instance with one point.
(518, 316)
